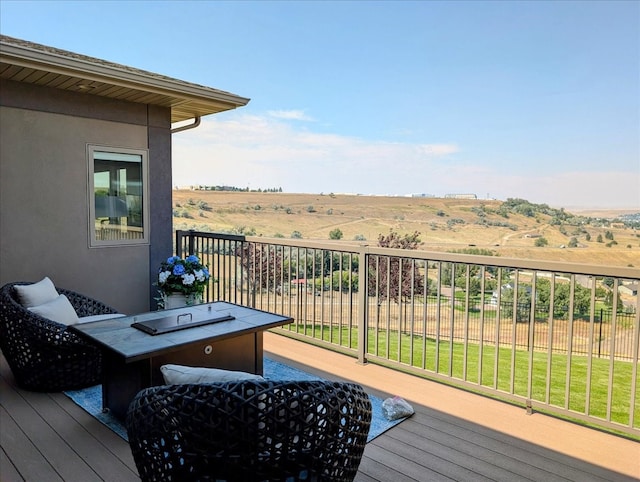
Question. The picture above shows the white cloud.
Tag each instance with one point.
(290, 115)
(262, 152)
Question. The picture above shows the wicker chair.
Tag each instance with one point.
(249, 431)
(44, 355)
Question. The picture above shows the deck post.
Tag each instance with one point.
(362, 303)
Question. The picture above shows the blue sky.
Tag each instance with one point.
(538, 100)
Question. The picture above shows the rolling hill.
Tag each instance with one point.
(510, 229)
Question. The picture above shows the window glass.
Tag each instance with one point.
(117, 196)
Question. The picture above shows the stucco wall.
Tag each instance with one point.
(43, 193)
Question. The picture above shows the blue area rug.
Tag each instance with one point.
(90, 399)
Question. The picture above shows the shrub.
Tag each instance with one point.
(540, 242)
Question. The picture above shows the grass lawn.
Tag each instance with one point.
(568, 377)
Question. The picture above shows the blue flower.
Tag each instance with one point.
(184, 275)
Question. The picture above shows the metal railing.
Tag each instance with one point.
(551, 336)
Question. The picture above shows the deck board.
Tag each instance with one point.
(8, 472)
(454, 431)
(43, 441)
(27, 439)
(107, 437)
(454, 435)
(89, 440)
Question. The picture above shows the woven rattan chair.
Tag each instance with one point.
(44, 355)
(249, 431)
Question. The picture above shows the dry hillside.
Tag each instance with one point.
(443, 224)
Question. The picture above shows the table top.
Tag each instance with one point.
(118, 336)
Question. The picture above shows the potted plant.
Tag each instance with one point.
(181, 281)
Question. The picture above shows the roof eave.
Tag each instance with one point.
(86, 68)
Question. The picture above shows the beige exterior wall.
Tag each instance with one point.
(44, 220)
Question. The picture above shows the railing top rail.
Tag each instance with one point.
(497, 261)
(203, 234)
(308, 243)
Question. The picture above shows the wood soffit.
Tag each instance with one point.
(28, 62)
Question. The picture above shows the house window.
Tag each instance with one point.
(118, 210)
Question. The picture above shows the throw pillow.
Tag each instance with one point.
(59, 309)
(37, 293)
(179, 374)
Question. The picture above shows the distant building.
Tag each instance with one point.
(629, 289)
(461, 196)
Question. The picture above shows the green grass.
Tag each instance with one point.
(450, 360)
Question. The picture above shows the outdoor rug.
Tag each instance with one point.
(90, 399)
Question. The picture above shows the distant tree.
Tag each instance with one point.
(476, 251)
(599, 238)
(562, 298)
(296, 235)
(587, 237)
(523, 305)
(393, 277)
(608, 235)
(244, 230)
(608, 282)
(204, 206)
(540, 242)
(344, 281)
(336, 234)
(261, 265)
(573, 243)
(459, 275)
(359, 237)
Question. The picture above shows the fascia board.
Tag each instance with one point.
(52, 62)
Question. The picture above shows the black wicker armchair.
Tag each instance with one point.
(44, 355)
(249, 431)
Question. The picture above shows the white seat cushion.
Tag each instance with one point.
(37, 293)
(107, 316)
(178, 374)
(58, 309)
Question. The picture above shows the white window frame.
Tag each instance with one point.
(121, 152)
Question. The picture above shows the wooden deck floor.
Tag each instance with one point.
(454, 435)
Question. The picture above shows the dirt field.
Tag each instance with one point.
(443, 224)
